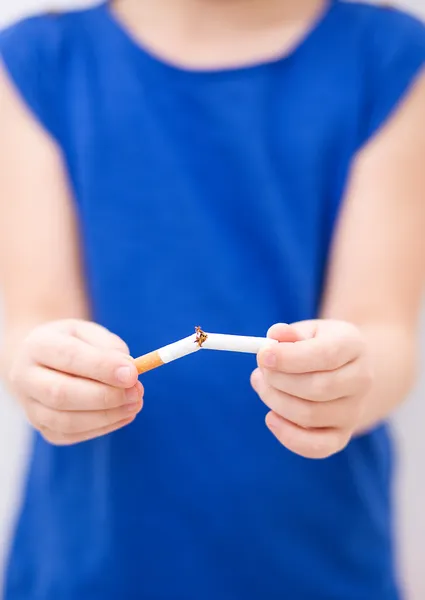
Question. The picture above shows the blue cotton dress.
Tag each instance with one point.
(207, 197)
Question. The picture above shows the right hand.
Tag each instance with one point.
(76, 381)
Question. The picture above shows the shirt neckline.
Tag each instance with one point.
(317, 28)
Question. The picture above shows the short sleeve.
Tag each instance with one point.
(28, 51)
(396, 59)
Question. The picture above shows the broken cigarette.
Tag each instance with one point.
(201, 340)
(167, 354)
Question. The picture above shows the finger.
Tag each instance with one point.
(336, 414)
(99, 336)
(59, 439)
(61, 391)
(71, 355)
(308, 356)
(309, 443)
(321, 386)
(284, 333)
(72, 422)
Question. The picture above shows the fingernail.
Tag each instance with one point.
(123, 374)
(132, 396)
(268, 359)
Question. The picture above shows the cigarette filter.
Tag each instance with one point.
(167, 354)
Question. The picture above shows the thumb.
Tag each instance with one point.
(284, 333)
(98, 336)
(304, 330)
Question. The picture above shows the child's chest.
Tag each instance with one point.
(261, 151)
(232, 183)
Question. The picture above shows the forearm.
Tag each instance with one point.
(393, 354)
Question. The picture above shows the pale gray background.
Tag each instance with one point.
(408, 423)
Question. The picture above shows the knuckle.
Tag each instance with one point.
(53, 422)
(69, 325)
(83, 437)
(32, 342)
(100, 365)
(14, 377)
(296, 364)
(366, 379)
(119, 344)
(65, 423)
(314, 445)
(38, 339)
(342, 440)
(49, 421)
(308, 415)
(108, 418)
(327, 445)
(360, 342)
(128, 421)
(68, 354)
(32, 416)
(122, 424)
(104, 397)
(42, 423)
(54, 438)
(34, 336)
(329, 357)
(48, 436)
(57, 394)
(358, 414)
(322, 447)
(320, 387)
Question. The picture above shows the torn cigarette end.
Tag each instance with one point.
(201, 336)
(148, 362)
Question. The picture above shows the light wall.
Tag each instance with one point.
(410, 422)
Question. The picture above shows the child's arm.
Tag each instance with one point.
(377, 271)
(350, 372)
(46, 339)
(40, 270)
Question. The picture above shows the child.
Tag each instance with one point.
(172, 163)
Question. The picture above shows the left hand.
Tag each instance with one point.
(315, 384)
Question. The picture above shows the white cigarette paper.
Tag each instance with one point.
(236, 343)
(179, 349)
(201, 341)
(167, 354)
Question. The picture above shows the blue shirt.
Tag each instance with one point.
(207, 197)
